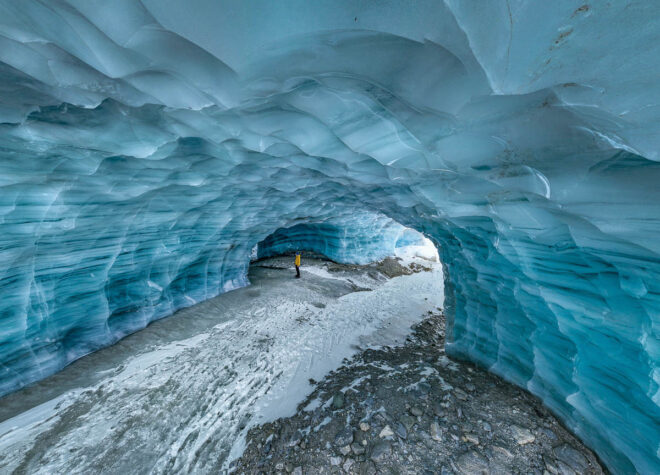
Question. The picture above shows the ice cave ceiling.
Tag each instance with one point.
(147, 146)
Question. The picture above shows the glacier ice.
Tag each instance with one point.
(147, 146)
(359, 238)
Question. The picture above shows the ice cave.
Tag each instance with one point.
(147, 146)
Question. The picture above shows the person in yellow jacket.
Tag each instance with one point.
(298, 265)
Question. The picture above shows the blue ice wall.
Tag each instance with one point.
(358, 239)
(409, 237)
(145, 147)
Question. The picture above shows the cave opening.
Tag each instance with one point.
(343, 243)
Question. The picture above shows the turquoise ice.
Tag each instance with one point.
(146, 147)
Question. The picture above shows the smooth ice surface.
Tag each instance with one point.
(210, 373)
(146, 147)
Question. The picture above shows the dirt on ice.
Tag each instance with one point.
(410, 409)
(180, 395)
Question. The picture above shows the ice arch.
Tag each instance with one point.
(145, 147)
(360, 238)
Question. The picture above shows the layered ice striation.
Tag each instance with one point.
(360, 238)
(147, 146)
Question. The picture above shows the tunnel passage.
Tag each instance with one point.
(365, 238)
(146, 149)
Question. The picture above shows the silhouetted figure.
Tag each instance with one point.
(297, 265)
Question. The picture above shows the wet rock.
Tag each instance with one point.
(380, 418)
(435, 431)
(472, 463)
(424, 389)
(296, 438)
(347, 465)
(361, 438)
(438, 410)
(266, 448)
(563, 469)
(408, 421)
(460, 395)
(501, 451)
(471, 438)
(550, 435)
(297, 471)
(550, 467)
(358, 449)
(386, 432)
(521, 435)
(401, 431)
(571, 457)
(381, 451)
(368, 468)
(338, 401)
(344, 437)
(470, 387)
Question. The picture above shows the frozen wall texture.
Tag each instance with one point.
(361, 238)
(145, 147)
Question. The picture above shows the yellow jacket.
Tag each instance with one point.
(298, 259)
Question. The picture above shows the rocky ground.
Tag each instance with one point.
(180, 395)
(410, 409)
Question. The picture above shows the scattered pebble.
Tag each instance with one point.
(408, 421)
(416, 411)
(571, 457)
(386, 432)
(471, 438)
(412, 419)
(401, 431)
(358, 449)
(338, 401)
(344, 437)
(296, 439)
(347, 465)
(521, 435)
(460, 394)
(435, 431)
(381, 451)
(472, 463)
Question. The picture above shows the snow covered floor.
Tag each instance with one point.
(181, 394)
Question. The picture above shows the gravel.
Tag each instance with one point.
(411, 409)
